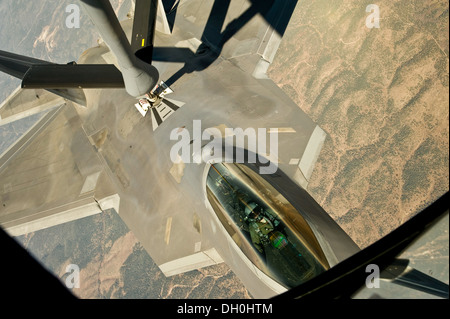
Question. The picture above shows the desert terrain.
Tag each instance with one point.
(381, 95)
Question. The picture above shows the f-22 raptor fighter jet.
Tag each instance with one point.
(172, 122)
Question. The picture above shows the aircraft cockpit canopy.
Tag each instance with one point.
(270, 232)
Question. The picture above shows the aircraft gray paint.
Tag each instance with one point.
(79, 160)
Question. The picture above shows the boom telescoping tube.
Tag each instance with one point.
(139, 77)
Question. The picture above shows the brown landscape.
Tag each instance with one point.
(381, 95)
(113, 264)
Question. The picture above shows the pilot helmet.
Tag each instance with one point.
(250, 212)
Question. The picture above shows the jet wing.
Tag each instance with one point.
(52, 174)
(22, 103)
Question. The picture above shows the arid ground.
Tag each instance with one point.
(381, 95)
